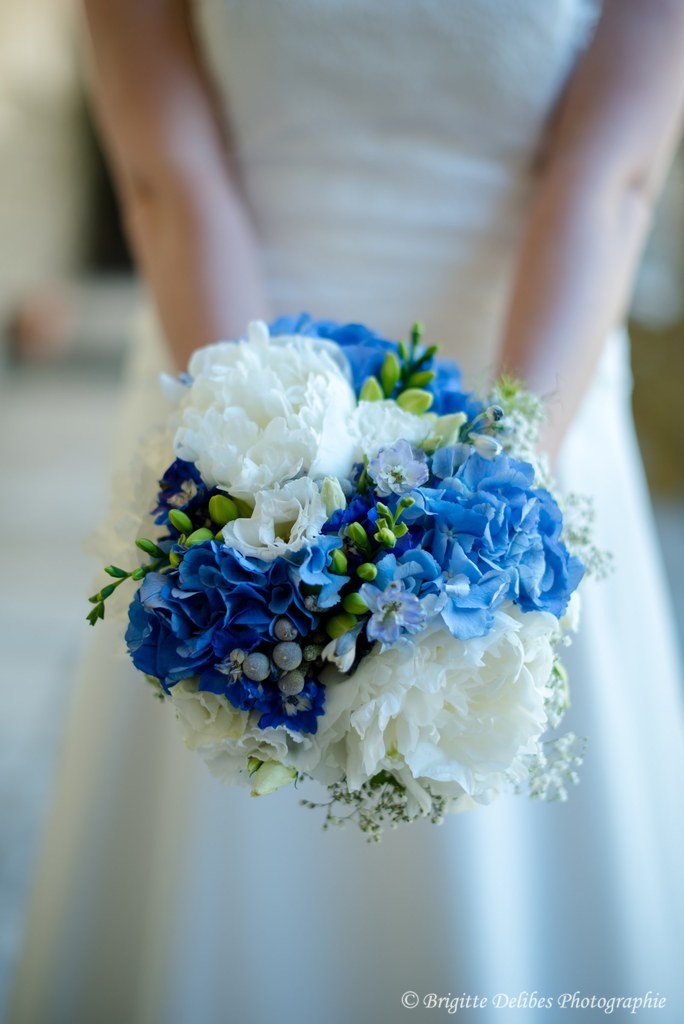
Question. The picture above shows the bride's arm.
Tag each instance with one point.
(184, 216)
(616, 131)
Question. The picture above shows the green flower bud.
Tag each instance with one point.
(403, 350)
(357, 535)
(244, 508)
(222, 510)
(98, 612)
(415, 400)
(383, 510)
(400, 529)
(113, 570)
(340, 624)
(420, 379)
(180, 521)
(390, 373)
(371, 390)
(175, 559)
(367, 571)
(405, 502)
(149, 547)
(106, 592)
(199, 536)
(138, 574)
(354, 604)
(253, 763)
(338, 562)
(385, 536)
(416, 333)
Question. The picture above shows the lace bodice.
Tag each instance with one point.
(387, 150)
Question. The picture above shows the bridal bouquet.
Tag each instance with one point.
(357, 574)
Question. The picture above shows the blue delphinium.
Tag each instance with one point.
(395, 611)
(398, 469)
(181, 488)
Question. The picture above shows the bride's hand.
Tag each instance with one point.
(614, 135)
(182, 209)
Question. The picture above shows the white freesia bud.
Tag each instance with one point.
(262, 411)
(270, 776)
(446, 429)
(332, 495)
(486, 446)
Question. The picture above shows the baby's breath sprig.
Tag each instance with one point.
(553, 769)
(382, 799)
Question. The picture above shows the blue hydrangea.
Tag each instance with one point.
(484, 521)
(189, 622)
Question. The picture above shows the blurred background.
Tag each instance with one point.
(68, 297)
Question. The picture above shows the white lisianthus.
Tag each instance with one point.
(456, 717)
(227, 739)
(259, 412)
(377, 425)
(284, 519)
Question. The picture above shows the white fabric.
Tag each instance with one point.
(387, 154)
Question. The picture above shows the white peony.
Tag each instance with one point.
(284, 519)
(455, 716)
(259, 412)
(377, 425)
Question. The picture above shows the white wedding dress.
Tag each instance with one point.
(386, 151)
